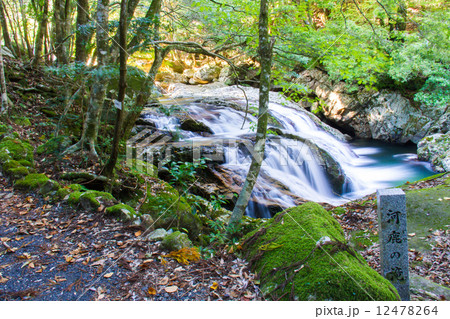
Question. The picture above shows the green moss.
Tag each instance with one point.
(301, 255)
(169, 209)
(176, 241)
(91, 200)
(22, 121)
(49, 188)
(17, 149)
(339, 211)
(143, 167)
(4, 157)
(74, 198)
(122, 211)
(18, 172)
(55, 145)
(427, 208)
(31, 181)
(3, 128)
(10, 164)
(26, 163)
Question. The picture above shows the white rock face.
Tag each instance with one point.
(436, 149)
(384, 115)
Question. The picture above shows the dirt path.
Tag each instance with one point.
(57, 253)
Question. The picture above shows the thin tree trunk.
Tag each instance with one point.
(25, 29)
(97, 97)
(153, 19)
(40, 37)
(4, 25)
(131, 8)
(16, 39)
(5, 102)
(82, 35)
(109, 168)
(265, 53)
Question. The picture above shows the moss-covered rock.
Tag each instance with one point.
(301, 254)
(4, 157)
(10, 164)
(74, 198)
(91, 200)
(21, 120)
(176, 241)
(31, 181)
(49, 188)
(55, 145)
(122, 211)
(3, 129)
(18, 172)
(26, 163)
(169, 209)
(16, 149)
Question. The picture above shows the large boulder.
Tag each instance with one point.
(382, 115)
(301, 254)
(436, 149)
(207, 73)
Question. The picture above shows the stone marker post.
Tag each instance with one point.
(394, 239)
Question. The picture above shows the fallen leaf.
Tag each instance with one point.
(171, 289)
(214, 286)
(108, 275)
(151, 291)
(3, 280)
(164, 281)
(138, 233)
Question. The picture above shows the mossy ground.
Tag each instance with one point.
(31, 181)
(427, 208)
(291, 265)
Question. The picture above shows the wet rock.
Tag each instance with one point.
(436, 149)
(382, 115)
(192, 125)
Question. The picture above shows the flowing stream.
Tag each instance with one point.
(298, 159)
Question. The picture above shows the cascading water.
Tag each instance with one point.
(298, 160)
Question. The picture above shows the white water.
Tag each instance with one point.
(293, 163)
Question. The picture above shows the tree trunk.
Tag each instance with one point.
(265, 53)
(131, 8)
(60, 31)
(83, 36)
(5, 102)
(109, 168)
(41, 33)
(25, 28)
(4, 26)
(153, 19)
(98, 90)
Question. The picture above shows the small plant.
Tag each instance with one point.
(183, 173)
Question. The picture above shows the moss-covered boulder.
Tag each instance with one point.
(55, 145)
(169, 209)
(91, 200)
(16, 149)
(31, 181)
(121, 211)
(49, 188)
(176, 241)
(301, 254)
(436, 149)
(18, 172)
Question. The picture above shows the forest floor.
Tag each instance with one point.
(53, 252)
(360, 220)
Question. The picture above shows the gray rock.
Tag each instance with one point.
(147, 222)
(157, 234)
(207, 73)
(384, 115)
(436, 149)
(176, 241)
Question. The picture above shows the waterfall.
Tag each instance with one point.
(300, 162)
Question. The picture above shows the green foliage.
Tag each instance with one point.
(183, 173)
